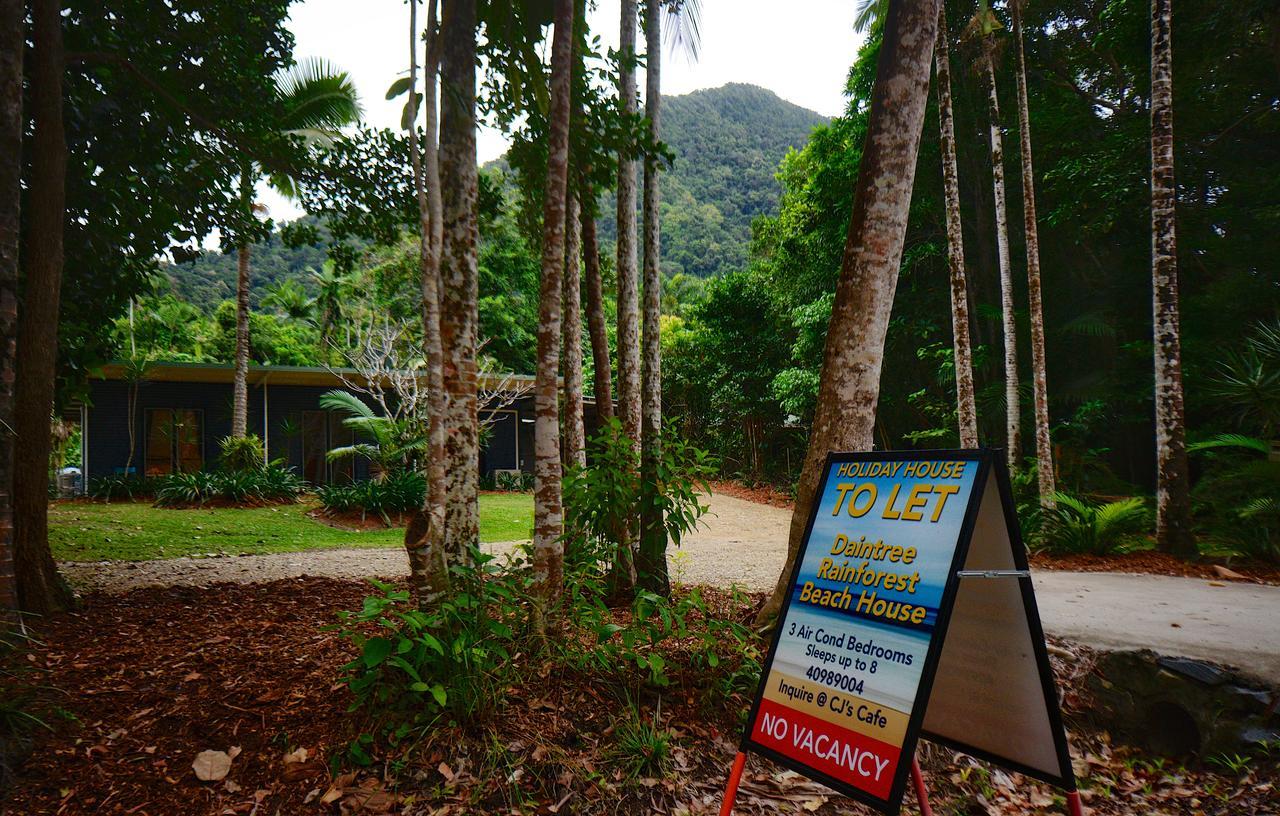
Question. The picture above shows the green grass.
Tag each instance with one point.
(135, 531)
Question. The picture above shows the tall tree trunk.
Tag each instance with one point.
(849, 389)
(1013, 410)
(651, 565)
(12, 36)
(966, 404)
(601, 381)
(240, 403)
(1173, 502)
(575, 435)
(424, 535)
(40, 589)
(628, 288)
(459, 291)
(1044, 446)
(548, 513)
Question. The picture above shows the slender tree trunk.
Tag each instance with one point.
(1013, 410)
(1173, 502)
(1044, 446)
(240, 402)
(651, 566)
(12, 36)
(628, 288)
(424, 535)
(601, 384)
(966, 404)
(622, 578)
(40, 589)
(849, 389)
(548, 513)
(575, 434)
(459, 292)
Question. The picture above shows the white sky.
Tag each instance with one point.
(800, 50)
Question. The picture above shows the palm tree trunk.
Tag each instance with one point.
(966, 404)
(548, 513)
(622, 578)
(575, 435)
(1173, 502)
(40, 589)
(12, 34)
(628, 288)
(459, 290)
(651, 565)
(240, 403)
(424, 535)
(1044, 446)
(849, 389)
(1013, 410)
(601, 381)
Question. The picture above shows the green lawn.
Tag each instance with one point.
(135, 531)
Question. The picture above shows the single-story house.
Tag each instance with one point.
(183, 411)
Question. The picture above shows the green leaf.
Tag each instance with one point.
(398, 87)
(376, 650)
(437, 691)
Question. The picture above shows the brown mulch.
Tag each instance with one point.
(151, 678)
(1157, 563)
(760, 494)
(356, 522)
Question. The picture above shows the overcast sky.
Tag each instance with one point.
(802, 52)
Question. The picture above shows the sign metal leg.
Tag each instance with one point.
(917, 782)
(731, 790)
(1074, 805)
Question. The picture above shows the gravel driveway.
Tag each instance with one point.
(739, 542)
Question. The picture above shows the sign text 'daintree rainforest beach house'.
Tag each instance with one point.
(910, 611)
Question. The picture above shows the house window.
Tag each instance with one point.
(174, 441)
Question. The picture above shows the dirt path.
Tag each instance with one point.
(744, 543)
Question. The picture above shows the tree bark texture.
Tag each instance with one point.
(575, 434)
(601, 381)
(40, 589)
(966, 403)
(849, 388)
(1039, 378)
(424, 535)
(628, 286)
(459, 282)
(240, 389)
(548, 512)
(1173, 502)
(1013, 409)
(12, 34)
(651, 566)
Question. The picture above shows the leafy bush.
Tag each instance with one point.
(1234, 505)
(109, 488)
(455, 660)
(239, 454)
(1079, 528)
(270, 485)
(513, 482)
(397, 493)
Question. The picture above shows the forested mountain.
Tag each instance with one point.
(727, 143)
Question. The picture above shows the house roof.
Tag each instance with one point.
(161, 371)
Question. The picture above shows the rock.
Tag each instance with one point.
(1179, 707)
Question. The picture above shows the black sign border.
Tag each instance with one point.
(984, 457)
(1065, 779)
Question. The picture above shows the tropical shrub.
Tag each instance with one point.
(273, 484)
(1234, 502)
(396, 493)
(241, 453)
(121, 487)
(392, 445)
(1078, 527)
(454, 661)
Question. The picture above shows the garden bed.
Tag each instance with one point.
(1150, 562)
(149, 679)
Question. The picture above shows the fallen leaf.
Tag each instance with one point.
(212, 766)
(1229, 574)
(445, 771)
(296, 755)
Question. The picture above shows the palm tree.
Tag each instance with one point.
(628, 285)
(331, 293)
(313, 99)
(290, 298)
(1044, 446)
(391, 444)
(1173, 499)
(867, 12)
(575, 435)
(849, 386)
(548, 512)
(981, 30)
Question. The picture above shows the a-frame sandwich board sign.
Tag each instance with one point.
(910, 610)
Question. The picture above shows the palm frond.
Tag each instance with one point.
(1230, 440)
(866, 12)
(317, 98)
(683, 23)
(336, 400)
